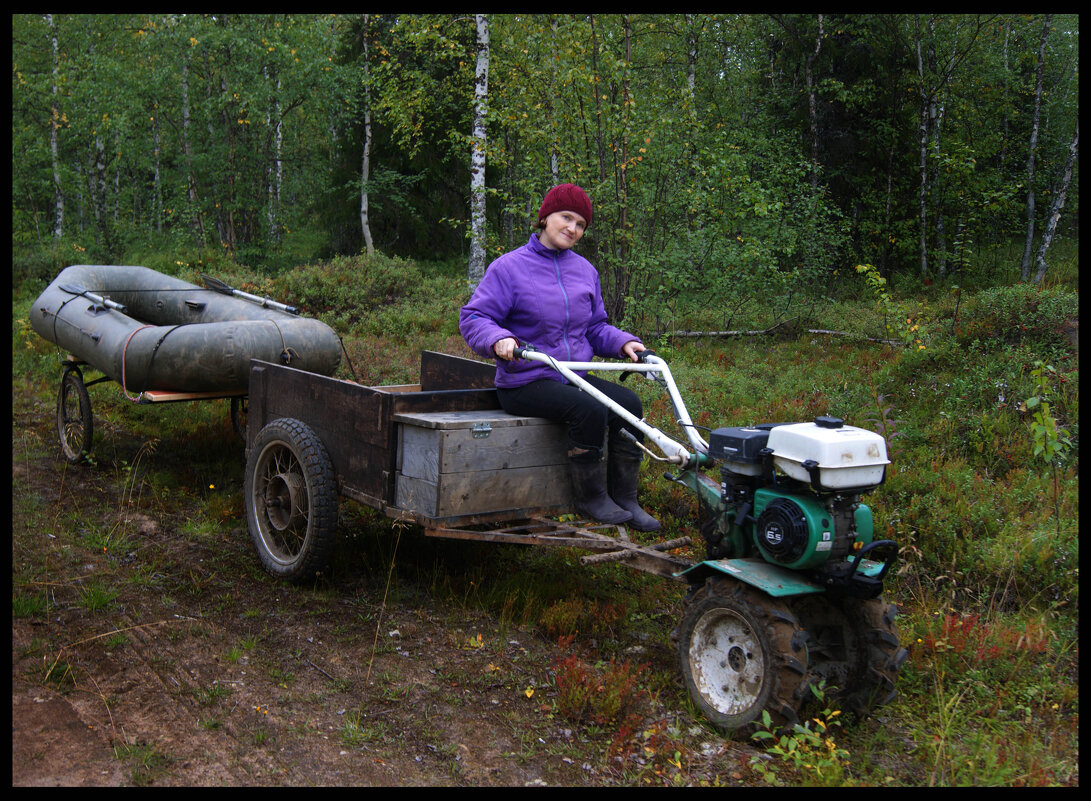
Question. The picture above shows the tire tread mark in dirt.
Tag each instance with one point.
(175, 711)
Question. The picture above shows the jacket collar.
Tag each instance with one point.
(535, 244)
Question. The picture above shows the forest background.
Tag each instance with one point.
(724, 154)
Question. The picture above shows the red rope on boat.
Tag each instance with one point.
(123, 351)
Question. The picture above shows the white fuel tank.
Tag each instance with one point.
(845, 457)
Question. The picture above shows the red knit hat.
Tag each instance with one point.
(566, 197)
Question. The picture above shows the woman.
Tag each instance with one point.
(546, 295)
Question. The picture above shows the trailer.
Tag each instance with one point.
(441, 454)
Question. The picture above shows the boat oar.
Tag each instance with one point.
(219, 286)
(76, 289)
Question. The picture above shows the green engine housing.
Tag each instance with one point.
(804, 531)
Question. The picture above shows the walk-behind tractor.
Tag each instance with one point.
(788, 596)
(790, 592)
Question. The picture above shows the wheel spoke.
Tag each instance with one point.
(284, 490)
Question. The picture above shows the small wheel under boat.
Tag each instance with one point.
(238, 416)
(290, 495)
(75, 424)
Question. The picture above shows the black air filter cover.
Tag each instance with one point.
(735, 444)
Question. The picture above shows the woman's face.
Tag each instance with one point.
(562, 230)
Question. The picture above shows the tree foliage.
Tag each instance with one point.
(729, 157)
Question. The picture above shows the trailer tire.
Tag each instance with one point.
(742, 652)
(290, 495)
(239, 416)
(75, 423)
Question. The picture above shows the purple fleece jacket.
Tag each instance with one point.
(551, 299)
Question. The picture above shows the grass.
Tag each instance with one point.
(357, 732)
(987, 581)
(96, 596)
(146, 761)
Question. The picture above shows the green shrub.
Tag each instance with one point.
(1021, 313)
(349, 288)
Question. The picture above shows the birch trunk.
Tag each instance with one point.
(1058, 204)
(158, 178)
(1025, 267)
(812, 102)
(187, 151)
(477, 168)
(925, 102)
(365, 159)
(621, 273)
(54, 124)
(274, 120)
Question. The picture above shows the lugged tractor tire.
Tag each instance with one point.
(878, 685)
(290, 495)
(742, 652)
(853, 646)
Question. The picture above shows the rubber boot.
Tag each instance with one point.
(623, 476)
(589, 489)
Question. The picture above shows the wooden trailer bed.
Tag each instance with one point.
(441, 454)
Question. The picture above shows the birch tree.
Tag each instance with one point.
(1033, 149)
(477, 166)
(1058, 204)
(933, 79)
(274, 123)
(54, 125)
(365, 158)
(810, 56)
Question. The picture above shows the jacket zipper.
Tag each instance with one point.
(564, 294)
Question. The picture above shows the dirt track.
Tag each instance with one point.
(150, 649)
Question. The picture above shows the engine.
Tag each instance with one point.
(791, 494)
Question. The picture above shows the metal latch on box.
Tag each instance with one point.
(481, 430)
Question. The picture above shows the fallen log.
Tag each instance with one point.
(773, 330)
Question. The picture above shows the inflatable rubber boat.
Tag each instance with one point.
(150, 331)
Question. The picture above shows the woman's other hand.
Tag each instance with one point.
(631, 348)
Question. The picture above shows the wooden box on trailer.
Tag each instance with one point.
(455, 464)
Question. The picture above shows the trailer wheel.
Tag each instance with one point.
(854, 647)
(75, 424)
(290, 494)
(239, 416)
(742, 652)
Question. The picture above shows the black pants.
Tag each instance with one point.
(587, 418)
